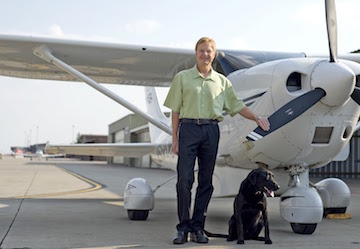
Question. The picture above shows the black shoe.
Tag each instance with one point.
(199, 237)
(181, 237)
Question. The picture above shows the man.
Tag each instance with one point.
(197, 98)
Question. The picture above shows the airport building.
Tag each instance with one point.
(92, 139)
(130, 129)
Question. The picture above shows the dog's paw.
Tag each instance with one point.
(268, 241)
(230, 239)
(241, 242)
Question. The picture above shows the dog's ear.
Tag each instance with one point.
(253, 177)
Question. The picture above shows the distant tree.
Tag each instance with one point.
(78, 140)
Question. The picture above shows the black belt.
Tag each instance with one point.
(199, 121)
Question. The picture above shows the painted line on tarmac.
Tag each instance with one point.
(93, 187)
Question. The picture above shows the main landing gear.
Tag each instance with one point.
(304, 205)
(138, 199)
(301, 205)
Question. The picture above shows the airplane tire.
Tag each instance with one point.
(303, 228)
(334, 211)
(138, 214)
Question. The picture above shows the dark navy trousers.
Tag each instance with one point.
(201, 142)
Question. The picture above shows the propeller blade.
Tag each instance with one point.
(356, 95)
(288, 112)
(331, 24)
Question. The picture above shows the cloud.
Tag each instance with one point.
(347, 12)
(180, 44)
(310, 14)
(144, 26)
(239, 43)
(56, 30)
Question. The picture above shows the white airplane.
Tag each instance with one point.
(312, 105)
(40, 154)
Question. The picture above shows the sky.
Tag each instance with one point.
(38, 111)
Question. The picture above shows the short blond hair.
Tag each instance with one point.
(206, 39)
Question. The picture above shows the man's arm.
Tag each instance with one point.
(263, 122)
(175, 127)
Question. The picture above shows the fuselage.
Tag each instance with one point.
(311, 140)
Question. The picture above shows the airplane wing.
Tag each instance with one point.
(104, 62)
(115, 63)
(111, 149)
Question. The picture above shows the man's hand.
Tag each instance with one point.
(175, 146)
(263, 122)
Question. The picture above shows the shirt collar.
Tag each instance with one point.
(195, 72)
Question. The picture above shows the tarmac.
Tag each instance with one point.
(73, 204)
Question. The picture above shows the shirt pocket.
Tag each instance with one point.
(218, 97)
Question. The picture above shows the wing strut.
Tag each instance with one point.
(44, 53)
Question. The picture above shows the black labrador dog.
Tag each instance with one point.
(250, 208)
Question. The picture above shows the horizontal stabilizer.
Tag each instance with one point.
(113, 149)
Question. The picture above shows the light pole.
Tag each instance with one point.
(37, 134)
(73, 129)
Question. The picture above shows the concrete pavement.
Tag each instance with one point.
(72, 204)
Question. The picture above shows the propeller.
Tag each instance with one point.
(356, 95)
(331, 24)
(288, 112)
(299, 105)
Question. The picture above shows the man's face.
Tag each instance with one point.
(205, 54)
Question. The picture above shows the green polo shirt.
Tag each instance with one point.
(194, 96)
